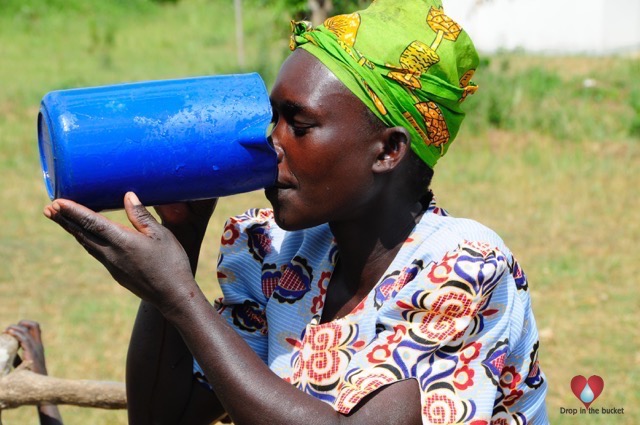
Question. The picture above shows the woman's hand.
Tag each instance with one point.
(147, 259)
(188, 222)
(28, 334)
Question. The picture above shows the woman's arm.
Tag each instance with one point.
(151, 263)
(252, 394)
(160, 383)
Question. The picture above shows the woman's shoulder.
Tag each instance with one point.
(440, 229)
(444, 246)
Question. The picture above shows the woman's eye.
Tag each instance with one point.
(300, 131)
(300, 128)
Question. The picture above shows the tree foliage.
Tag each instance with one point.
(305, 9)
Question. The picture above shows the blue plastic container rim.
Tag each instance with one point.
(47, 154)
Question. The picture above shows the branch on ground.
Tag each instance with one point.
(22, 387)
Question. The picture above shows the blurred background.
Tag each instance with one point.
(548, 157)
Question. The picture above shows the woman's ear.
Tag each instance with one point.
(396, 142)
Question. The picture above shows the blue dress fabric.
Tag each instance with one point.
(452, 311)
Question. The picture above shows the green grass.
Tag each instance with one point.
(569, 213)
(549, 164)
(570, 99)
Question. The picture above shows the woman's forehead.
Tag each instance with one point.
(306, 81)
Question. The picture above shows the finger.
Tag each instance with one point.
(29, 346)
(139, 216)
(19, 333)
(92, 230)
(172, 213)
(179, 212)
(14, 328)
(33, 328)
(88, 241)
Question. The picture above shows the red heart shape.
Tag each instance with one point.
(577, 385)
(597, 385)
(579, 382)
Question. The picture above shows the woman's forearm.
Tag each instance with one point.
(252, 394)
(48, 414)
(159, 371)
(249, 391)
(160, 383)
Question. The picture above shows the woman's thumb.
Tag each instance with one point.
(138, 215)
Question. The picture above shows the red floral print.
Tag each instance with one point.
(470, 352)
(439, 408)
(463, 377)
(512, 397)
(509, 378)
(318, 300)
(230, 233)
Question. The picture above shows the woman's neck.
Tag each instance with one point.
(368, 246)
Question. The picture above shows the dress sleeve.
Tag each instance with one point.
(452, 328)
(245, 242)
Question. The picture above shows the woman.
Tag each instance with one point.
(355, 291)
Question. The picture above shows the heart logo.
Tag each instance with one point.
(587, 390)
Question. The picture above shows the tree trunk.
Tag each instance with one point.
(239, 34)
(320, 10)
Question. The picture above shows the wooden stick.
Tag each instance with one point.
(8, 350)
(23, 387)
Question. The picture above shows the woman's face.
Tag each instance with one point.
(326, 147)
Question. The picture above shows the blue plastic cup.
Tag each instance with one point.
(168, 141)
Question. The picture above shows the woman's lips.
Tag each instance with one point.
(273, 191)
(283, 185)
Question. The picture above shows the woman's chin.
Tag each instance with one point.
(284, 221)
(287, 213)
(288, 220)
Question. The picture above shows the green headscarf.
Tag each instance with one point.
(406, 60)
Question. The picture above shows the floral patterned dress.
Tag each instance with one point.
(452, 311)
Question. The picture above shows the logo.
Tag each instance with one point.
(587, 390)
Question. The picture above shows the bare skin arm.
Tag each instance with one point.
(29, 335)
(150, 262)
(160, 383)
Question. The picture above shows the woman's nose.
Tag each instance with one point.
(273, 141)
(278, 149)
